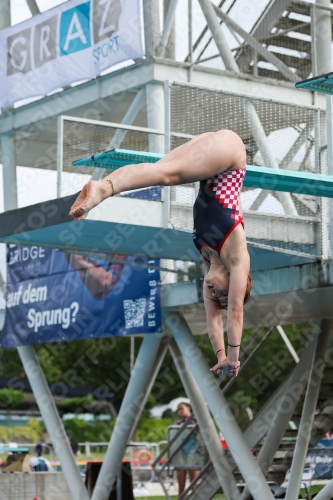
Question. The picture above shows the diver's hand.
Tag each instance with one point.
(226, 367)
(91, 195)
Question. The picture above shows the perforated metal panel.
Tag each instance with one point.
(82, 139)
(276, 135)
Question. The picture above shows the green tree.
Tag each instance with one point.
(10, 398)
(51, 370)
(171, 415)
(76, 405)
(80, 431)
(33, 432)
(104, 365)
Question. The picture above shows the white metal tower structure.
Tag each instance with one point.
(258, 66)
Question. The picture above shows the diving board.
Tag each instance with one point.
(48, 224)
(136, 227)
(291, 181)
(322, 83)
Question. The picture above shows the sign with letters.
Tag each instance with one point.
(53, 296)
(72, 42)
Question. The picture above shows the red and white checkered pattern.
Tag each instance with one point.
(227, 187)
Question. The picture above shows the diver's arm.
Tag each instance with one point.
(214, 324)
(216, 335)
(239, 270)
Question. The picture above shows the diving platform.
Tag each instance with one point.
(256, 177)
(108, 97)
(156, 105)
(321, 83)
(138, 227)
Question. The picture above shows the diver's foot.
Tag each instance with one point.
(91, 195)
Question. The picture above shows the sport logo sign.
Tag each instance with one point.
(72, 42)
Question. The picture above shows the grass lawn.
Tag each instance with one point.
(172, 497)
(154, 498)
(313, 489)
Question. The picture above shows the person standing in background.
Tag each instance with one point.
(184, 410)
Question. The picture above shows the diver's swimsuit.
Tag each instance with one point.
(216, 211)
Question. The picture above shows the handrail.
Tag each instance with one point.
(172, 440)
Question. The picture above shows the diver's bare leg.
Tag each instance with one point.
(202, 157)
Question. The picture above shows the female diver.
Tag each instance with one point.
(217, 160)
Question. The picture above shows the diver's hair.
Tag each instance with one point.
(247, 295)
(185, 404)
(248, 289)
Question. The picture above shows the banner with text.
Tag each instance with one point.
(72, 42)
(53, 296)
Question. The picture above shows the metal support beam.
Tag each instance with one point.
(53, 422)
(261, 423)
(310, 403)
(219, 407)
(5, 17)
(284, 163)
(323, 30)
(151, 16)
(258, 427)
(303, 136)
(2, 284)
(285, 407)
(260, 138)
(288, 343)
(262, 28)
(8, 160)
(155, 115)
(156, 119)
(218, 35)
(249, 110)
(190, 35)
(34, 9)
(60, 154)
(131, 408)
(168, 26)
(167, 189)
(154, 372)
(194, 46)
(120, 134)
(257, 46)
(313, 33)
(28, 356)
(329, 128)
(206, 425)
(128, 119)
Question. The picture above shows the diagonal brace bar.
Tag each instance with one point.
(167, 28)
(257, 46)
(206, 425)
(311, 398)
(120, 134)
(142, 378)
(33, 7)
(284, 163)
(285, 407)
(219, 407)
(53, 422)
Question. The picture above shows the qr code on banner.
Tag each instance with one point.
(134, 313)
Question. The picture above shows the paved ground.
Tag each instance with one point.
(154, 489)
